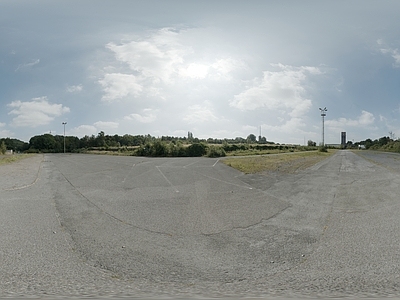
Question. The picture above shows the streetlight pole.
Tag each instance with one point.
(64, 123)
(323, 114)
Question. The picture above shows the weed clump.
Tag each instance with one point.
(322, 148)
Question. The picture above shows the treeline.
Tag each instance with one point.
(141, 145)
(384, 144)
(14, 144)
(161, 148)
(55, 143)
(147, 145)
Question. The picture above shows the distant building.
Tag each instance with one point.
(343, 139)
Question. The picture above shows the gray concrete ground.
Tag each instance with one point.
(89, 225)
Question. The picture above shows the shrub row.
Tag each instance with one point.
(163, 149)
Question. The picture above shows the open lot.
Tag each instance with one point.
(91, 225)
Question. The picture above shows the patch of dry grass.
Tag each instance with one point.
(283, 163)
(8, 159)
(256, 152)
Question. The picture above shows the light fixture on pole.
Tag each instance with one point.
(64, 123)
(323, 114)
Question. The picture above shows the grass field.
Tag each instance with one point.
(7, 159)
(250, 152)
(284, 163)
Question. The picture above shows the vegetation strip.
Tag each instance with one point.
(7, 159)
(147, 145)
(282, 163)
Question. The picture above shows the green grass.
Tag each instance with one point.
(8, 159)
(285, 163)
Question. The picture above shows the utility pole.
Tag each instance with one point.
(323, 114)
(64, 123)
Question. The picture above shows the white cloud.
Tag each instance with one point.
(162, 60)
(83, 130)
(223, 67)
(392, 52)
(118, 86)
(395, 54)
(290, 126)
(74, 88)
(94, 129)
(277, 90)
(200, 113)
(365, 119)
(194, 70)
(155, 56)
(4, 132)
(148, 116)
(251, 129)
(103, 126)
(34, 113)
(27, 65)
(391, 125)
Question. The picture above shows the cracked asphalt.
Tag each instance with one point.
(107, 226)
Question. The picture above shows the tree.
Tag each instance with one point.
(72, 143)
(215, 151)
(384, 140)
(159, 148)
(101, 140)
(190, 136)
(310, 143)
(45, 143)
(239, 140)
(368, 143)
(252, 138)
(3, 147)
(16, 145)
(197, 149)
(262, 140)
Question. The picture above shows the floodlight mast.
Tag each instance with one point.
(323, 114)
(64, 123)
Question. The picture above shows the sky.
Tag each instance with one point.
(216, 68)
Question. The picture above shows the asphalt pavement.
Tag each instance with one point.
(93, 225)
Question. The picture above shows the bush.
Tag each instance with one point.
(196, 149)
(3, 148)
(323, 148)
(144, 150)
(32, 150)
(396, 146)
(176, 150)
(159, 149)
(214, 151)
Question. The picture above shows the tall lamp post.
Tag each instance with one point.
(323, 114)
(64, 123)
